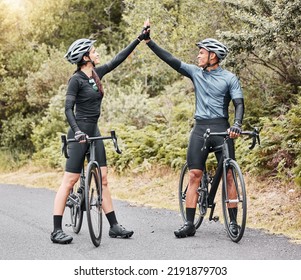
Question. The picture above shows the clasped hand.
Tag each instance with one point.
(145, 33)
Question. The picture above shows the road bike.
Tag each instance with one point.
(227, 169)
(86, 195)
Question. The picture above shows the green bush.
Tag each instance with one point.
(42, 84)
(164, 137)
(46, 135)
(10, 160)
(16, 132)
(279, 153)
(128, 105)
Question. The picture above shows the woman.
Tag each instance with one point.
(86, 92)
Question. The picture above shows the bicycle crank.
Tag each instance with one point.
(215, 218)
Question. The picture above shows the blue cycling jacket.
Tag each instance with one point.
(213, 89)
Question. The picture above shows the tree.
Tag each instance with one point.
(267, 33)
(176, 25)
(56, 21)
(265, 42)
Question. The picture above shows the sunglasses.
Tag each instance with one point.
(93, 83)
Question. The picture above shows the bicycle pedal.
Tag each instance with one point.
(211, 212)
(215, 218)
(68, 225)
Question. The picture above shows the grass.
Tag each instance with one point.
(271, 206)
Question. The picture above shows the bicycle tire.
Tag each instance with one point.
(183, 185)
(241, 201)
(93, 202)
(76, 214)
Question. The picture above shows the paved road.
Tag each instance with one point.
(26, 223)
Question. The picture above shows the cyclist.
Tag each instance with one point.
(82, 108)
(214, 88)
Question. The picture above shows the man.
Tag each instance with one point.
(214, 89)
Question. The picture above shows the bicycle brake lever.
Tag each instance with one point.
(258, 139)
(64, 146)
(114, 139)
(253, 142)
(255, 136)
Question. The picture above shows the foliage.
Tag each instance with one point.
(163, 140)
(176, 26)
(149, 104)
(46, 135)
(128, 106)
(16, 131)
(266, 38)
(32, 77)
(10, 161)
(280, 147)
(52, 22)
(42, 84)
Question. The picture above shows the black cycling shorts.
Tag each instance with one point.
(196, 157)
(77, 151)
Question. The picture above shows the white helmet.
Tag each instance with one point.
(212, 45)
(77, 50)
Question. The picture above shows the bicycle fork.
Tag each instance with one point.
(225, 183)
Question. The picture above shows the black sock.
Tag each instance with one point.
(57, 222)
(190, 213)
(232, 213)
(111, 218)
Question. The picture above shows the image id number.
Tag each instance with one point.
(197, 270)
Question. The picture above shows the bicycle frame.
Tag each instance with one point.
(92, 189)
(220, 173)
(221, 167)
(233, 188)
(215, 181)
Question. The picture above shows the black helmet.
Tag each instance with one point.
(212, 45)
(77, 50)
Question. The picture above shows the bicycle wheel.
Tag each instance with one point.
(238, 198)
(183, 185)
(93, 199)
(74, 202)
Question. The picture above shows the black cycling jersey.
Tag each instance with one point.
(82, 96)
(82, 109)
